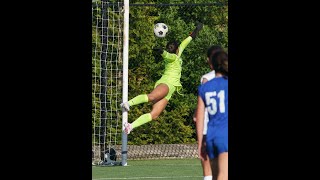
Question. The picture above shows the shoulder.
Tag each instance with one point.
(217, 82)
(204, 87)
(209, 76)
(211, 83)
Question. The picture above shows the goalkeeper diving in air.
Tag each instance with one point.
(165, 86)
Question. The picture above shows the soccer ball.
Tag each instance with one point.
(160, 30)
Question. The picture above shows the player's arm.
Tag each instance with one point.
(169, 56)
(204, 80)
(184, 44)
(199, 125)
(195, 116)
(193, 35)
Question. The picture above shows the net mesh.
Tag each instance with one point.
(107, 26)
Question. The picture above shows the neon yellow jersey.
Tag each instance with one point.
(173, 64)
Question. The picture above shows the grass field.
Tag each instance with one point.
(151, 169)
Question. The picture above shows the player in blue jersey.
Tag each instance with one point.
(206, 167)
(213, 96)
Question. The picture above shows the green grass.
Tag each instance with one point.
(151, 169)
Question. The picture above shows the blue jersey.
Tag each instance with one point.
(214, 94)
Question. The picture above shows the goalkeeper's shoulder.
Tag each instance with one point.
(168, 56)
(164, 53)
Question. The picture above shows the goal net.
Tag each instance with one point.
(107, 74)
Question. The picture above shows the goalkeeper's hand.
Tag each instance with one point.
(158, 50)
(196, 31)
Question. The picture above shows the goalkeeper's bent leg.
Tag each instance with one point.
(143, 98)
(141, 120)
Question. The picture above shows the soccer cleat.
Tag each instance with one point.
(127, 128)
(125, 105)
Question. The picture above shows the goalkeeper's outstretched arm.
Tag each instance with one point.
(192, 35)
(172, 47)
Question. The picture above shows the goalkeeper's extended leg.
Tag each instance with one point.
(158, 93)
(157, 108)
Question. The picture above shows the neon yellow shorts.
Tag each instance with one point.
(172, 88)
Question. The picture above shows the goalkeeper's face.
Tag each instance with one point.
(172, 47)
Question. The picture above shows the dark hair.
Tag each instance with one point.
(220, 63)
(172, 46)
(212, 50)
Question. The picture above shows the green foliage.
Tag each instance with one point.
(175, 124)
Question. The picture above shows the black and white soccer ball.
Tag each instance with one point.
(160, 30)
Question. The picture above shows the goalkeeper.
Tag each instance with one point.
(165, 86)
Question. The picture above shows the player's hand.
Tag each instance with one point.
(158, 50)
(202, 153)
(199, 27)
(196, 31)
